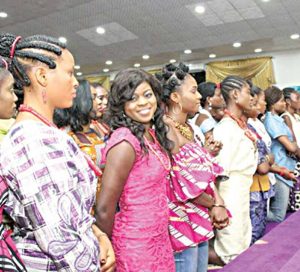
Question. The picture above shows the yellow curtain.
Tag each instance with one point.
(103, 80)
(259, 70)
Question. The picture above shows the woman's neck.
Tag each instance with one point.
(43, 109)
(180, 118)
(274, 112)
(290, 110)
(235, 110)
(86, 128)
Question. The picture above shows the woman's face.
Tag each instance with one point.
(261, 103)
(253, 112)
(294, 101)
(102, 95)
(280, 106)
(7, 98)
(189, 96)
(244, 98)
(96, 111)
(62, 83)
(143, 104)
(216, 101)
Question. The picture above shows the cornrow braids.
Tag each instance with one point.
(231, 83)
(4, 73)
(287, 92)
(171, 78)
(24, 50)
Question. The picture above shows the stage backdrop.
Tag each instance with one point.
(258, 70)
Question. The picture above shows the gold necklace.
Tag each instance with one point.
(184, 129)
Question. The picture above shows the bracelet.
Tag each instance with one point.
(217, 205)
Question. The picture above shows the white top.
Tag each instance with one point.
(295, 125)
(262, 132)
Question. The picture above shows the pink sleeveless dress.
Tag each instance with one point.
(140, 233)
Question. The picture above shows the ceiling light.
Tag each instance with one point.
(258, 50)
(3, 14)
(187, 51)
(200, 9)
(105, 70)
(108, 62)
(295, 36)
(172, 60)
(145, 57)
(78, 74)
(100, 30)
(77, 67)
(137, 65)
(237, 44)
(265, 0)
(62, 39)
(212, 56)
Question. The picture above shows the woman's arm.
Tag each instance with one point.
(119, 162)
(288, 145)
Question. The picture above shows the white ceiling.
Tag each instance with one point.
(159, 28)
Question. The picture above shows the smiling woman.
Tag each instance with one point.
(137, 164)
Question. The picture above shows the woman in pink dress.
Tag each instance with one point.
(136, 166)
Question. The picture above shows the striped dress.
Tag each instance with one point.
(193, 172)
(9, 257)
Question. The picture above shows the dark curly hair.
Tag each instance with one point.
(122, 90)
(34, 48)
(171, 78)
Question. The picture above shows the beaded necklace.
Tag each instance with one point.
(92, 165)
(166, 167)
(248, 133)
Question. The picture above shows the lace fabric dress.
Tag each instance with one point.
(140, 233)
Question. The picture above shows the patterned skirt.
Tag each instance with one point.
(294, 202)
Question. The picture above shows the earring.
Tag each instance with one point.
(209, 106)
(180, 109)
(44, 96)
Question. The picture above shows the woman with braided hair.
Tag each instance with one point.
(194, 203)
(9, 256)
(238, 157)
(52, 184)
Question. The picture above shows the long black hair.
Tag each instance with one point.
(79, 114)
(122, 90)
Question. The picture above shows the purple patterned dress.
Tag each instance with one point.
(52, 191)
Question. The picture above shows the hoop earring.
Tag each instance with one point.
(180, 109)
(44, 96)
